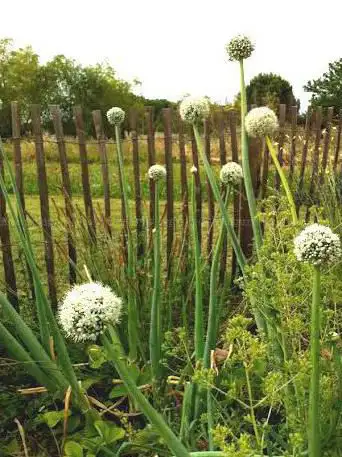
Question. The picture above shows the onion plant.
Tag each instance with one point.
(318, 246)
(156, 173)
(193, 111)
(116, 117)
(239, 49)
(262, 122)
(90, 312)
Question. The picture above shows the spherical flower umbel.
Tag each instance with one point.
(115, 115)
(194, 110)
(87, 309)
(231, 174)
(239, 48)
(317, 245)
(261, 122)
(156, 172)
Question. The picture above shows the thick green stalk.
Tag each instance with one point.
(213, 302)
(16, 350)
(283, 180)
(155, 326)
(187, 412)
(132, 304)
(246, 168)
(314, 403)
(241, 259)
(199, 324)
(29, 340)
(114, 351)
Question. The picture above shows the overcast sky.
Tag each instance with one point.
(176, 47)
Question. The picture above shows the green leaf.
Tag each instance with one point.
(109, 432)
(73, 449)
(12, 448)
(118, 391)
(90, 381)
(52, 418)
(134, 372)
(73, 423)
(96, 356)
(139, 377)
(145, 377)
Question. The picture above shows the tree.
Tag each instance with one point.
(64, 82)
(18, 80)
(67, 83)
(60, 81)
(327, 90)
(268, 89)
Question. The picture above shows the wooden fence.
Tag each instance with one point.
(305, 152)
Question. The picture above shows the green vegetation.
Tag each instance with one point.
(62, 81)
(326, 90)
(171, 357)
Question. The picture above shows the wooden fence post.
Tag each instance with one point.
(315, 158)
(246, 230)
(44, 202)
(304, 157)
(69, 210)
(326, 144)
(137, 189)
(294, 110)
(151, 158)
(184, 182)
(167, 118)
(211, 202)
(18, 165)
(338, 141)
(88, 203)
(101, 142)
(6, 248)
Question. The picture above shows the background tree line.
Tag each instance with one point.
(66, 82)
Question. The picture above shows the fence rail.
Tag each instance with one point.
(305, 151)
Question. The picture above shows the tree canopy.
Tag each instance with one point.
(327, 90)
(269, 89)
(61, 81)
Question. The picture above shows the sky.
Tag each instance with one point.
(178, 47)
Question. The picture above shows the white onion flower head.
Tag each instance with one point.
(115, 115)
(261, 122)
(193, 170)
(231, 173)
(156, 172)
(317, 245)
(87, 309)
(239, 48)
(194, 109)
